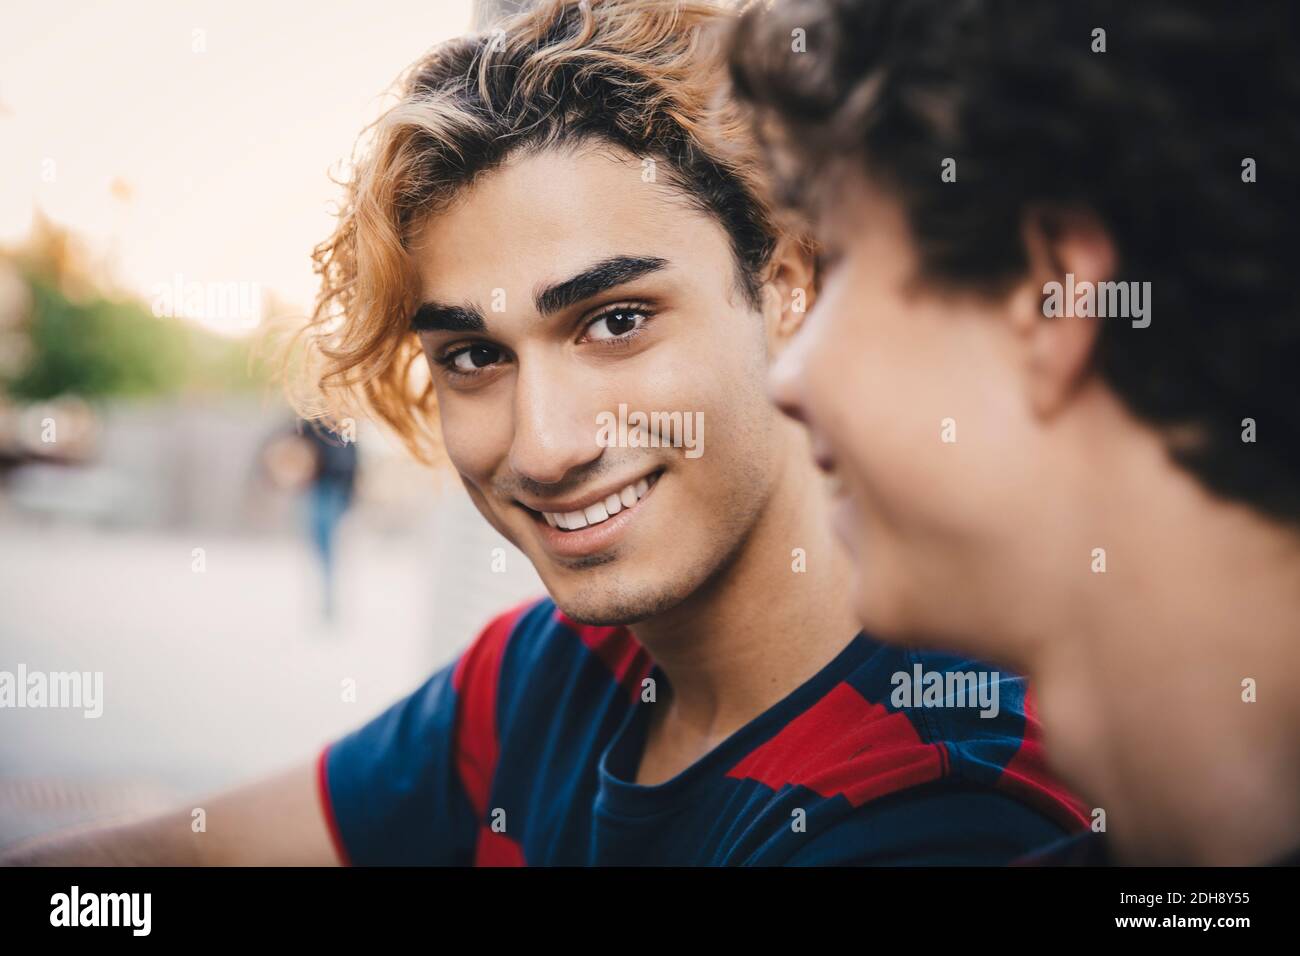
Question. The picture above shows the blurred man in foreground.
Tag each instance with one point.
(1054, 367)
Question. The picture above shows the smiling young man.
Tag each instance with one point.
(561, 222)
(1107, 499)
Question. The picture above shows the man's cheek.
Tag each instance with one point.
(473, 451)
(864, 428)
(683, 397)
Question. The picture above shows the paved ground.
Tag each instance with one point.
(214, 677)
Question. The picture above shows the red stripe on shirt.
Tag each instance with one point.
(626, 659)
(327, 807)
(1026, 777)
(475, 680)
(845, 745)
(497, 849)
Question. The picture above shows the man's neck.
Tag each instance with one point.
(1140, 676)
(761, 627)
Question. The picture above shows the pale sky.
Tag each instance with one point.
(224, 152)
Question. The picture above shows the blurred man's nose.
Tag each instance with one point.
(786, 376)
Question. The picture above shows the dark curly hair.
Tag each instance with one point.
(1149, 136)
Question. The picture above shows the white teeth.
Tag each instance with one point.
(600, 511)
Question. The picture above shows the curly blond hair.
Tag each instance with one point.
(645, 75)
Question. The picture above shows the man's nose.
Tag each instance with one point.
(555, 429)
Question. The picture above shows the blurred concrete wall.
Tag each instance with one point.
(164, 464)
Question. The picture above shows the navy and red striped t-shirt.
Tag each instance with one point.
(524, 751)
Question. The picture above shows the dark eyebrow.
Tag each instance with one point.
(435, 317)
(605, 274)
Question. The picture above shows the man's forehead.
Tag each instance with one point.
(543, 216)
(546, 193)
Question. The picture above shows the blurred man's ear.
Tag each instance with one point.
(1057, 349)
(788, 291)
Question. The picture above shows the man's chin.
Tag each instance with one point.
(606, 614)
(619, 607)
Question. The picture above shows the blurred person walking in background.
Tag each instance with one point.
(322, 465)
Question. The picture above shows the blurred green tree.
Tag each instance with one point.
(82, 341)
(96, 348)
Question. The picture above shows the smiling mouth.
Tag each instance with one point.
(601, 510)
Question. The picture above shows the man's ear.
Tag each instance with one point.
(1064, 249)
(788, 290)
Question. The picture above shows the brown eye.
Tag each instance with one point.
(474, 358)
(616, 324)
